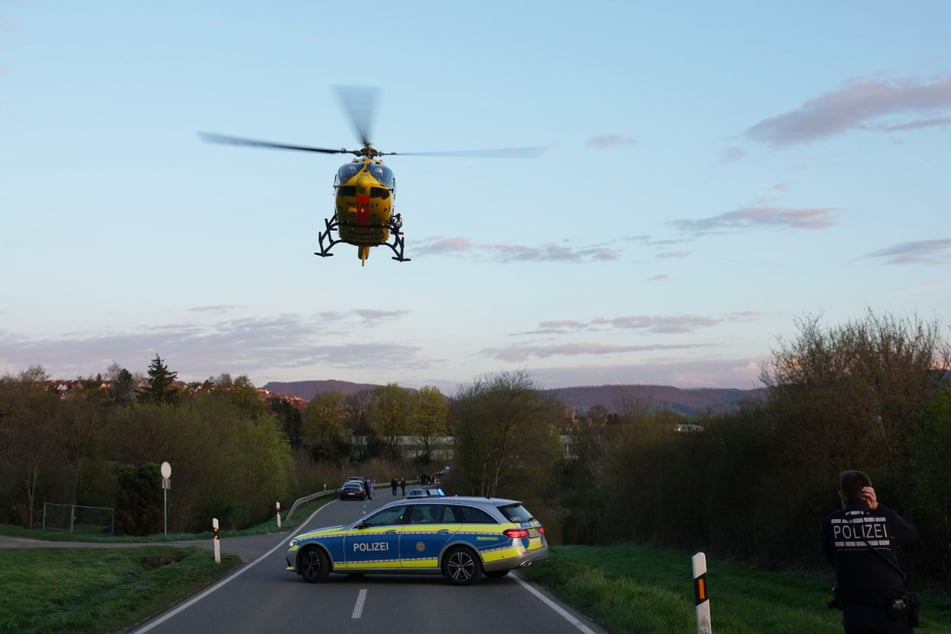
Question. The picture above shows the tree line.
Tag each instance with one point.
(234, 453)
(873, 394)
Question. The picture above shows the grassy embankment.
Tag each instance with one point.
(107, 589)
(98, 589)
(642, 589)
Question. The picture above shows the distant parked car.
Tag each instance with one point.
(423, 492)
(352, 490)
(459, 537)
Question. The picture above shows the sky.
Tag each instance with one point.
(713, 174)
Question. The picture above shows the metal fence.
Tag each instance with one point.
(77, 518)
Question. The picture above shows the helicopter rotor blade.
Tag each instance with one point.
(511, 152)
(360, 104)
(233, 140)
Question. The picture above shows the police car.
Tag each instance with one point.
(459, 537)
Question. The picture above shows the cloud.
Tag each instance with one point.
(562, 324)
(372, 316)
(664, 324)
(520, 353)
(600, 141)
(437, 246)
(654, 324)
(732, 155)
(748, 217)
(551, 253)
(197, 351)
(863, 104)
(517, 252)
(914, 125)
(218, 308)
(670, 255)
(917, 252)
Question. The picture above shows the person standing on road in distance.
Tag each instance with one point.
(859, 541)
(403, 485)
(393, 485)
(370, 488)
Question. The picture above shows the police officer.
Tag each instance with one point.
(859, 542)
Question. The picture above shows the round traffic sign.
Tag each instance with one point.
(166, 470)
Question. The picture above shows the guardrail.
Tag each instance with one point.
(309, 498)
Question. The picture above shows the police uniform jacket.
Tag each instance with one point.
(860, 545)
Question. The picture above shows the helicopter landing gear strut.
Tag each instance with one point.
(396, 245)
(331, 225)
(396, 225)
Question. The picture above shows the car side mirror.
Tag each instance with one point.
(363, 525)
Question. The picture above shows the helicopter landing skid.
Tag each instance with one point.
(394, 225)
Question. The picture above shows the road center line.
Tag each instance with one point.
(358, 606)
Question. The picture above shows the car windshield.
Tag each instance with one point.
(516, 513)
(352, 485)
(386, 517)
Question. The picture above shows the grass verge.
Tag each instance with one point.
(268, 526)
(98, 589)
(632, 588)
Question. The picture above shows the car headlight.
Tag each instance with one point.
(293, 543)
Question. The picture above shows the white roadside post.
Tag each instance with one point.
(214, 529)
(278, 505)
(166, 485)
(699, 562)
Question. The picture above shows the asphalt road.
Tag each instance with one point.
(263, 597)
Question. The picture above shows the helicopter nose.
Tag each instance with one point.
(364, 181)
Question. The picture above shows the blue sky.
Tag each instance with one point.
(713, 173)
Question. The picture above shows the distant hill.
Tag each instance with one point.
(691, 402)
(614, 398)
(307, 390)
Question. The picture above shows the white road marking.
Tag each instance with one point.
(217, 586)
(198, 597)
(554, 606)
(358, 606)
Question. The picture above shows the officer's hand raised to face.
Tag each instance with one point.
(868, 494)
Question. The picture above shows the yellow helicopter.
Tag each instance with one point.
(365, 188)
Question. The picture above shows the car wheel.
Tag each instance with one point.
(313, 565)
(461, 566)
(496, 574)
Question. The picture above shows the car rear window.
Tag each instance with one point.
(515, 513)
(472, 515)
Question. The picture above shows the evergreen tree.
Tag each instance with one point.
(160, 387)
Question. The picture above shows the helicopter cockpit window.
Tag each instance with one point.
(348, 171)
(379, 192)
(347, 190)
(382, 174)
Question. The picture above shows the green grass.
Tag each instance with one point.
(98, 589)
(642, 589)
(267, 526)
(108, 589)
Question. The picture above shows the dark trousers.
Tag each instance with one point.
(865, 619)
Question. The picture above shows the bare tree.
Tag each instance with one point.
(506, 433)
